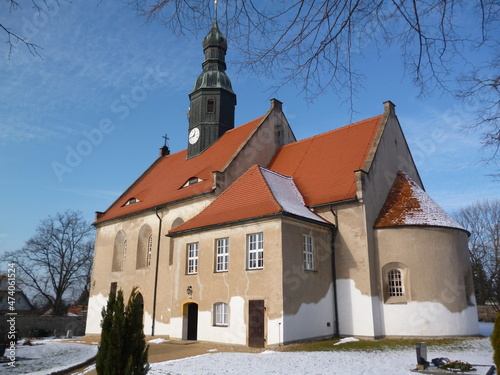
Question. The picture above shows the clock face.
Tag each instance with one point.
(194, 135)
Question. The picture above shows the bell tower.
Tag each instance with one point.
(212, 101)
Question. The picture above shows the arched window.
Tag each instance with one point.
(119, 251)
(221, 314)
(144, 247)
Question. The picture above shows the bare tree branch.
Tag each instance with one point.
(57, 259)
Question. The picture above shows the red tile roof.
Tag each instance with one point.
(323, 166)
(163, 181)
(249, 197)
(408, 204)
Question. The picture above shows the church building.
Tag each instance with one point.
(252, 237)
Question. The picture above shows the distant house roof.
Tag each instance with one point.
(167, 180)
(408, 204)
(323, 166)
(258, 193)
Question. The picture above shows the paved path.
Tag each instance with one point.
(174, 349)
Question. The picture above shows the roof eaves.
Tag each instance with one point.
(172, 233)
(130, 187)
(387, 226)
(326, 223)
(160, 206)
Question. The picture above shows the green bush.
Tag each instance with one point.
(123, 349)
(495, 342)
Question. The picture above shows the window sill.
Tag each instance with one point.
(221, 325)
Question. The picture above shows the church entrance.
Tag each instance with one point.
(192, 321)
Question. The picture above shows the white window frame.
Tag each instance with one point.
(308, 252)
(192, 258)
(221, 314)
(222, 254)
(395, 283)
(255, 251)
(150, 250)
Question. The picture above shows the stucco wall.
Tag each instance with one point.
(235, 287)
(439, 292)
(144, 278)
(260, 148)
(308, 295)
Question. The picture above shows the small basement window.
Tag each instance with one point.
(131, 201)
(192, 181)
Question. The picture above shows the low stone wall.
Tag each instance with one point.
(486, 313)
(27, 324)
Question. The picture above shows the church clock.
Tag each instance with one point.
(194, 135)
(212, 101)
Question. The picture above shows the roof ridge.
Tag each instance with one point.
(345, 127)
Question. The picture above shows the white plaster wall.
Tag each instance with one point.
(176, 328)
(96, 304)
(355, 310)
(429, 319)
(310, 321)
(234, 333)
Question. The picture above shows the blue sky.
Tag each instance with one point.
(80, 125)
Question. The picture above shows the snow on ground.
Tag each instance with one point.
(346, 340)
(47, 356)
(53, 355)
(393, 362)
(157, 341)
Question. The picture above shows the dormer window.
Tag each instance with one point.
(192, 181)
(131, 201)
(211, 106)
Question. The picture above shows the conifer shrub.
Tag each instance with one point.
(123, 349)
(495, 342)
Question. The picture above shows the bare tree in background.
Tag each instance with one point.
(317, 44)
(56, 261)
(482, 220)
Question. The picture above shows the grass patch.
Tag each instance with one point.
(376, 345)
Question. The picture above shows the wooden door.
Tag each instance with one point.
(256, 324)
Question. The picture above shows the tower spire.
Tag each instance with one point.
(215, 11)
(212, 100)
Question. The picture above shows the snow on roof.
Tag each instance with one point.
(259, 192)
(287, 195)
(408, 204)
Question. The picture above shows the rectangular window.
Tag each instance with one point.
(222, 255)
(192, 258)
(112, 288)
(395, 283)
(255, 251)
(211, 106)
(221, 314)
(308, 253)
